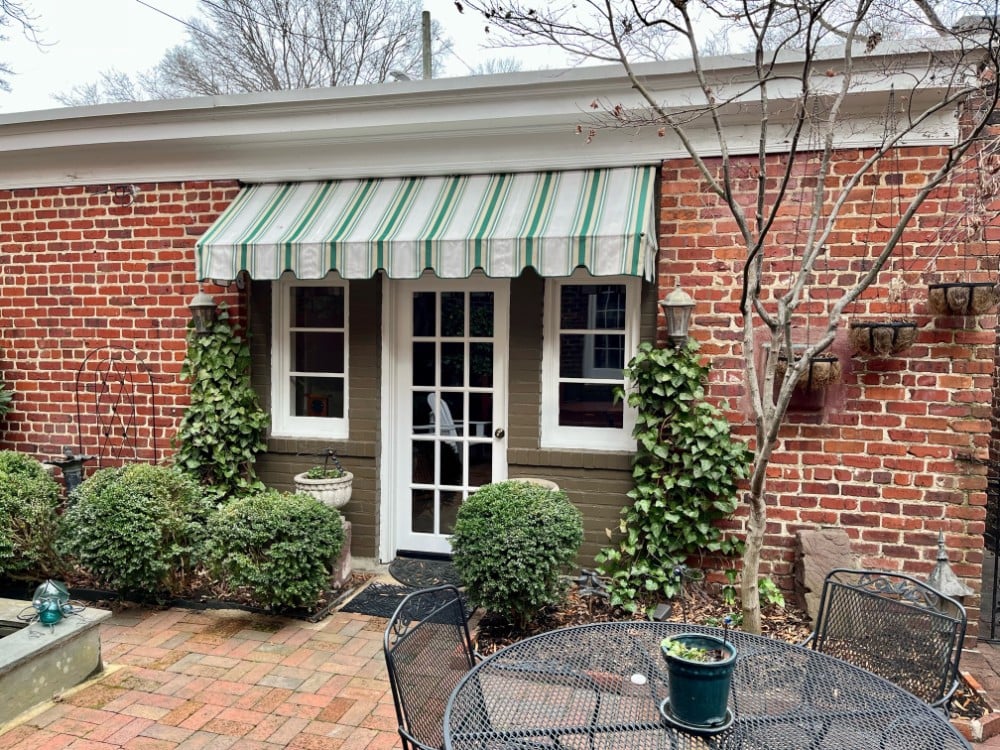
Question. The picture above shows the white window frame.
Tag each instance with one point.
(283, 424)
(558, 436)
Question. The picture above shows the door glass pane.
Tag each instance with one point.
(423, 363)
(452, 462)
(423, 462)
(317, 397)
(480, 465)
(481, 363)
(450, 501)
(423, 313)
(452, 313)
(423, 422)
(481, 314)
(480, 421)
(452, 364)
(422, 511)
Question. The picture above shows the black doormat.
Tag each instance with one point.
(377, 599)
(422, 573)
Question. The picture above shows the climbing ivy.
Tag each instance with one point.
(685, 472)
(224, 427)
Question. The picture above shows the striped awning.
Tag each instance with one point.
(554, 222)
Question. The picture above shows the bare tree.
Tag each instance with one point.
(269, 45)
(16, 14)
(798, 93)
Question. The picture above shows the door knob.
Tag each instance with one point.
(498, 432)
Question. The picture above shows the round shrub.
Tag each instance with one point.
(137, 528)
(279, 546)
(29, 501)
(512, 542)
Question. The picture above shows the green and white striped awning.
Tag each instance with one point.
(554, 222)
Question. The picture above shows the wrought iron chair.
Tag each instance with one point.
(427, 651)
(895, 626)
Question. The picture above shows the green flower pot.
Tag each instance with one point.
(699, 690)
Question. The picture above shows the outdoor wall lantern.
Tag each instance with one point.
(677, 307)
(49, 601)
(202, 307)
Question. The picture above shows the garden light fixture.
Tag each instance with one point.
(202, 307)
(677, 307)
(49, 601)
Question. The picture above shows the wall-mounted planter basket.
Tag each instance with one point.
(963, 298)
(883, 338)
(824, 370)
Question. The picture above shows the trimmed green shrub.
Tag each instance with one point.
(138, 528)
(512, 542)
(29, 500)
(281, 547)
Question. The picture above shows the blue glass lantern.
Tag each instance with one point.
(49, 601)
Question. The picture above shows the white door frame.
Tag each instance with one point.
(396, 318)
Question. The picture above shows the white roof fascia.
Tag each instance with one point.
(514, 122)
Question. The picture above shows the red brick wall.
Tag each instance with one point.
(896, 451)
(82, 268)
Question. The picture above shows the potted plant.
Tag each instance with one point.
(699, 673)
(882, 338)
(823, 370)
(963, 298)
(329, 483)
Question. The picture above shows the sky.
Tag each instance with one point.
(81, 38)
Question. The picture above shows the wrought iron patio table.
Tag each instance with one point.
(600, 686)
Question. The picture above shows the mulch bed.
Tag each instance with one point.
(699, 606)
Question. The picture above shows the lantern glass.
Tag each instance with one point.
(677, 307)
(49, 600)
(202, 307)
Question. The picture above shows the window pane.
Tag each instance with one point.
(582, 405)
(573, 306)
(317, 397)
(422, 518)
(317, 307)
(449, 511)
(608, 351)
(481, 314)
(423, 313)
(592, 306)
(318, 352)
(571, 348)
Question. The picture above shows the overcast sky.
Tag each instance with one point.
(84, 37)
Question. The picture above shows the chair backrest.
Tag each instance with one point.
(427, 651)
(895, 626)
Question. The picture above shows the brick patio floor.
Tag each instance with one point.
(181, 679)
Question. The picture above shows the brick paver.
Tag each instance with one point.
(189, 680)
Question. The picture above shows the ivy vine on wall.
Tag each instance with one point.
(224, 427)
(685, 473)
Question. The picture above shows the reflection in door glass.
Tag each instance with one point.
(450, 502)
(423, 363)
(422, 516)
(423, 313)
(452, 364)
(453, 313)
(480, 465)
(481, 314)
(481, 365)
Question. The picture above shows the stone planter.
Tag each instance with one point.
(332, 492)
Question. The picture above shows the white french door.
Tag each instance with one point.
(448, 416)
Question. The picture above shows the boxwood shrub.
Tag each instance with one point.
(512, 543)
(29, 503)
(137, 529)
(280, 547)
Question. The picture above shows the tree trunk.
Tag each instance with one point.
(749, 593)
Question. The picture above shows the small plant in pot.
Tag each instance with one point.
(329, 483)
(699, 672)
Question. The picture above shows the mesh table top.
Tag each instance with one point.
(600, 686)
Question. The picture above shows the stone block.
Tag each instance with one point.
(818, 552)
